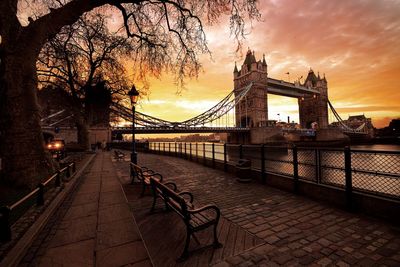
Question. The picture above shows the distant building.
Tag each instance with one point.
(359, 120)
(393, 130)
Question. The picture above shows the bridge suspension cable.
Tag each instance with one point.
(361, 129)
(213, 114)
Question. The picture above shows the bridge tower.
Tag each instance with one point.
(314, 108)
(252, 111)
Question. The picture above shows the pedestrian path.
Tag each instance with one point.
(94, 227)
(296, 231)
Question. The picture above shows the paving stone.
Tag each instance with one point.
(326, 251)
(342, 264)
(234, 260)
(281, 259)
(348, 249)
(272, 239)
(298, 253)
(324, 262)
(306, 260)
(222, 264)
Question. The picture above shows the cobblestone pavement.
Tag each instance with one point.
(297, 231)
(93, 226)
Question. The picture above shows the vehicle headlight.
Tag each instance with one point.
(49, 146)
(57, 145)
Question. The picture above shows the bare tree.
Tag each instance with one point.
(80, 57)
(168, 35)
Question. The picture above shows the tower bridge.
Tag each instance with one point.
(244, 111)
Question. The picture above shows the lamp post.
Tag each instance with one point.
(133, 95)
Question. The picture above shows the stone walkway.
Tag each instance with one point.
(94, 227)
(297, 231)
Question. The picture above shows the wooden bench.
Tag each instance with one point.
(144, 174)
(118, 155)
(195, 219)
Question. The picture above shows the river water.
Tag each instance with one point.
(384, 147)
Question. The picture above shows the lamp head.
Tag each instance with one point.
(133, 95)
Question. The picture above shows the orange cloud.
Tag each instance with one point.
(355, 43)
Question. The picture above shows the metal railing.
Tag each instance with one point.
(6, 212)
(375, 173)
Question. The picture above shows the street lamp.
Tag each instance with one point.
(133, 95)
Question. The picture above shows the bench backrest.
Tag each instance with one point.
(138, 170)
(174, 200)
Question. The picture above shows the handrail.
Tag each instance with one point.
(5, 227)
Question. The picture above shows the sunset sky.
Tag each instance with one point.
(355, 43)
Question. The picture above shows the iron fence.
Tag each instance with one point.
(10, 214)
(372, 172)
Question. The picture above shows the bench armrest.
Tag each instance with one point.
(185, 193)
(156, 174)
(172, 184)
(205, 208)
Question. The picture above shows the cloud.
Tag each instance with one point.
(355, 43)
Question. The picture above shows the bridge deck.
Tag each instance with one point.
(148, 130)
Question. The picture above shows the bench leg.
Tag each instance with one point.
(154, 203)
(216, 243)
(143, 189)
(185, 253)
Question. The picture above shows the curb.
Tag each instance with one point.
(15, 255)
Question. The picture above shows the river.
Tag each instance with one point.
(382, 147)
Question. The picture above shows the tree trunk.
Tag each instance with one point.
(83, 132)
(25, 161)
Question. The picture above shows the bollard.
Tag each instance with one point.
(317, 166)
(225, 159)
(68, 172)
(349, 181)
(295, 170)
(5, 229)
(40, 196)
(204, 153)
(197, 152)
(213, 154)
(263, 174)
(240, 151)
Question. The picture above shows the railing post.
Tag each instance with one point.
(5, 229)
(225, 159)
(68, 172)
(176, 151)
(213, 154)
(240, 151)
(58, 178)
(190, 150)
(73, 167)
(295, 170)
(263, 174)
(159, 148)
(317, 166)
(40, 196)
(197, 152)
(164, 148)
(349, 182)
(169, 148)
(204, 153)
(185, 151)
